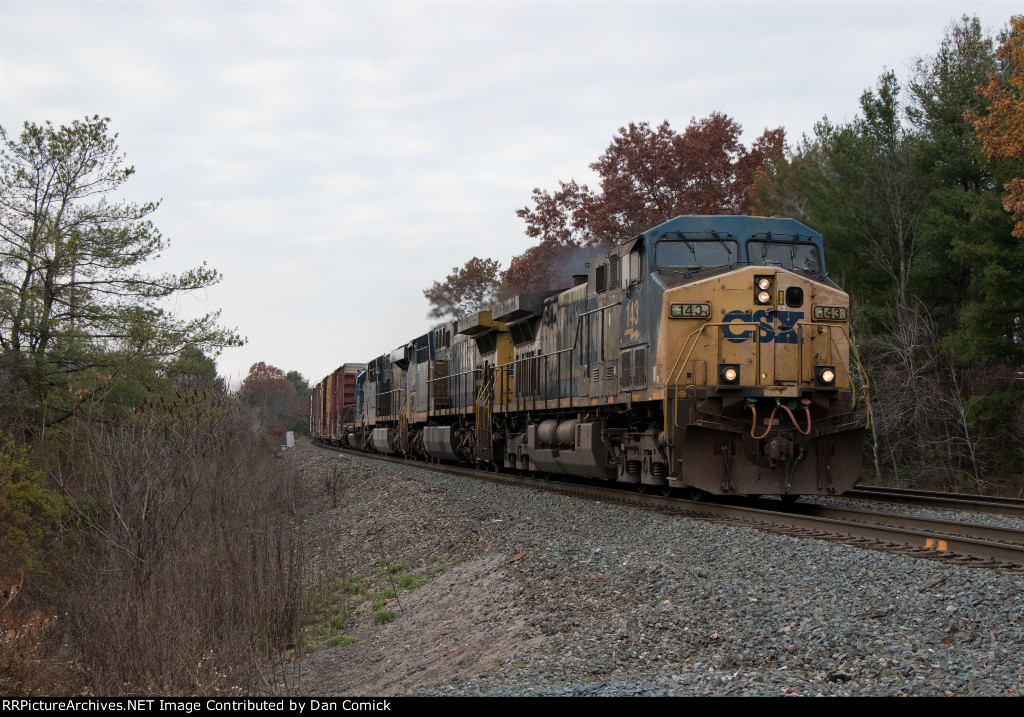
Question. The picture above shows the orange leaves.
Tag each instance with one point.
(268, 389)
(1002, 131)
(647, 176)
(654, 175)
(1013, 203)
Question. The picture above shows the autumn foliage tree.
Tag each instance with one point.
(547, 266)
(469, 288)
(647, 176)
(272, 394)
(1002, 130)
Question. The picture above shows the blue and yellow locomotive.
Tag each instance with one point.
(711, 353)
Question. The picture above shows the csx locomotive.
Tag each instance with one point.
(710, 353)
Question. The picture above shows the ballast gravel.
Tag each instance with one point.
(529, 593)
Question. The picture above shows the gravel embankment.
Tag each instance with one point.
(527, 593)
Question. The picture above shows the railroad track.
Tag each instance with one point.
(943, 501)
(952, 541)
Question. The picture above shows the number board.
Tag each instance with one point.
(830, 313)
(690, 311)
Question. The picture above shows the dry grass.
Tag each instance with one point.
(182, 570)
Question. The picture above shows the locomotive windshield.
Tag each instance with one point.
(694, 253)
(788, 255)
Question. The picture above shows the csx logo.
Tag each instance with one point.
(783, 334)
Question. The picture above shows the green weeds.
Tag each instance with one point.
(437, 567)
(328, 611)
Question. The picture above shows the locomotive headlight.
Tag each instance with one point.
(825, 376)
(763, 290)
(728, 374)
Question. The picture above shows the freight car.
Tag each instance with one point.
(333, 403)
(711, 353)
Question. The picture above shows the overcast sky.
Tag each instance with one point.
(333, 159)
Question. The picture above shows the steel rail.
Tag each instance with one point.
(934, 526)
(942, 501)
(911, 536)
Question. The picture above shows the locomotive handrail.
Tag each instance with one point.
(506, 371)
(508, 368)
(574, 347)
(387, 393)
(499, 381)
(700, 329)
(856, 357)
(576, 334)
(863, 373)
(696, 332)
(674, 383)
(559, 352)
(447, 377)
(668, 380)
(452, 375)
(488, 382)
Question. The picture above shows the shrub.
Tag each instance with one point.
(28, 509)
(187, 577)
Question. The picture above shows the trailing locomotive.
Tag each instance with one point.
(710, 353)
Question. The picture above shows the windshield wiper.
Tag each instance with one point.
(724, 245)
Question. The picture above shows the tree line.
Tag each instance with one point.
(147, 540)
(921, 201)
(916, 199)
(280, 401)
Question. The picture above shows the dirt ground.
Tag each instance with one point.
(463, 621)
(457, 626)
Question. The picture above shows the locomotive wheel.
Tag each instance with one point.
(695, 494)
(641, 488)
(667, 490)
